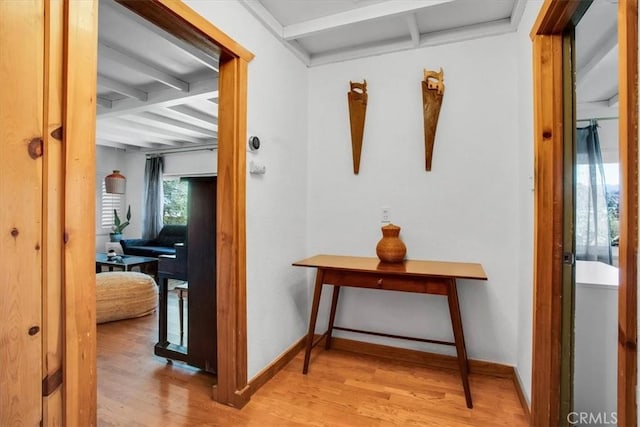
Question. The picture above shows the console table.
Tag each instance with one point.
(426, 277)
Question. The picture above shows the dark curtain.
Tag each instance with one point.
(153, 198)
(593, 242)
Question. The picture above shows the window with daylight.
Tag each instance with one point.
(176, 194)
(105, 205)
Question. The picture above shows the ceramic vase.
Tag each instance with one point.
(390, 248)
(115, 237)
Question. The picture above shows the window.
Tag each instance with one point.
(175, 200)
(612, 180)
(105, 205)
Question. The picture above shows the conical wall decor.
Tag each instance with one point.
(357, 97)
(432, 94)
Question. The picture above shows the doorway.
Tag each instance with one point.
(596, 190)
(555, 18)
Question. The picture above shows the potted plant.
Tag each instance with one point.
(118, 225)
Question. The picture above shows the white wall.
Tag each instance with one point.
(465, 209)
(277, 306)
(525, 198)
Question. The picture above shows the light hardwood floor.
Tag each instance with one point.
(136, 388)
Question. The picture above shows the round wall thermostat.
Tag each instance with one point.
(254, 143)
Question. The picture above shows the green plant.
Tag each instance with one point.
(118, 225)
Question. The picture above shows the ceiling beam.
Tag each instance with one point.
(430, 39)
(128, 138)
(208, 59)
(106, 142)
(355, 16)
(613, 101)
(414, 30)
(121, 88)
(130, 61)
(516, 13)
(163, 98)
(104, 102)
(210, 123)
(171, 124)
(194, 114)
(148, 130)
(609, 42)
(266, 18)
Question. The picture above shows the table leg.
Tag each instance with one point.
(332, 315)
(312, 318)
(458, 334)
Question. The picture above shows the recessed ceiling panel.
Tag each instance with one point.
(363, 34)
(289, 12)
(462, 13)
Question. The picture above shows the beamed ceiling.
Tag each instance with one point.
(157, 92)
(154, 90)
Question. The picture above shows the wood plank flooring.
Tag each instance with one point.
(136, 388)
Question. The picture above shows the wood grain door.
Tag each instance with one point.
(21, 118)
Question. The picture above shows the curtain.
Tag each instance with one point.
(593, 242)
(153, 198)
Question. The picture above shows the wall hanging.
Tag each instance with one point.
(357, 97)
(432, 94)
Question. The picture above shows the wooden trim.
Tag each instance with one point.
(547, 317)
(628, 250)
(79, 123)
(521, 397)
(183, 22)
(232, 387)
(555, 16)
(276, 366)
(423, 358)
(52, 254)
(21, 216)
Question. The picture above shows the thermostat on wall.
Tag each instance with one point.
(254, 143)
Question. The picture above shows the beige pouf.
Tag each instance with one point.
(124, 295)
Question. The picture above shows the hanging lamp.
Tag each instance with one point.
(115, 183)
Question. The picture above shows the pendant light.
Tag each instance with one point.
(115, 183)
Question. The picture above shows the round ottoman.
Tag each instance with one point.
(124, 295)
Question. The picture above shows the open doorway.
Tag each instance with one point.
(553, 129)
(80, 38)
(596, 217)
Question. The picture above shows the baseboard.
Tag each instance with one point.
(274, 367)
(421, 357)
(522, 396)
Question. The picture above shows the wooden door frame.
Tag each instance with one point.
(80, 403)
(554, 17)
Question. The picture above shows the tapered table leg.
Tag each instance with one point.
(312, 318)
(332, 315)
(458, 335)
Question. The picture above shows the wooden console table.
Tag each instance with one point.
(427, 277)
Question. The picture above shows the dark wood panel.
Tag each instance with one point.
(201, 270)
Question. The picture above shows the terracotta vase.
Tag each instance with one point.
(390, 248)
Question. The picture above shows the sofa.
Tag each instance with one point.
(161, 245)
